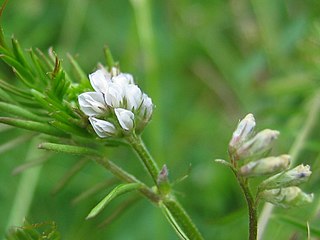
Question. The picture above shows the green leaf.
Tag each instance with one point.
(19, 53)
(70, 129)
(117, 191)
(94, 189)
(14, 90)
(180, 221)
(33, 126)
(70, 149)
(6, 97)
(19, 68)
(119, 210)
(19, 112)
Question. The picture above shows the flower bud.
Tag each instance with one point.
(163, 181)
(265, 166)
(286, 197)
(258, 145)
(292, 177)
(243, 131)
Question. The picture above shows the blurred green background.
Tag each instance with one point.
(205, 64)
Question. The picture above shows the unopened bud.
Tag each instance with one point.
(292, 177)
(287, 197)
(258, 145)
(243, 131)
(265, 166)
(163, 181)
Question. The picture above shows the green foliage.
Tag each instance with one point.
(118, 190)
(210, 63)
(37, 231)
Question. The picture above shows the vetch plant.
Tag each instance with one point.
(77, 115)
(80, 115)
(248, 159)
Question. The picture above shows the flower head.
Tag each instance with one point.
(117, 105)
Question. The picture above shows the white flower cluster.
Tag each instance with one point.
(250, 150)
(117, 105)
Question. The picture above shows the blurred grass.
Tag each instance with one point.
(206, 64)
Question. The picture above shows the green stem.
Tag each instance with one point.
(252, 209)
(144, 155)
(126, 177)
(180, 220)
(177, 215)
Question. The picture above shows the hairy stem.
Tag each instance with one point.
(144, 155)
(175, 213)
(251, 203)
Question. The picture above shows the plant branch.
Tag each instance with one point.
(126, 177)
(144, 155)
(251, 203)
(174, 212)
(296, 148)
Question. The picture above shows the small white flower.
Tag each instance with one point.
(287, 197)
(100, 80)
(125, 118)
(114, 95)
(102, 128)
(265, 166)
(92, 103)
(244, 131)
(123, 79)
(115, 92)
(259, 144)
(133, 96)
(146, 108)
(292, 177)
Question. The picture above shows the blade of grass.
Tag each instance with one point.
(26, 187)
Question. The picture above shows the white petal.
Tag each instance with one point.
(146, 107)
(134, 96)
(105, 72)
(92, 103)
(99, 81)
(125, 118)
(123, 79)
(102, 128)
(114, 95)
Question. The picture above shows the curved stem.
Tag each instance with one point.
(175, 213)
(144, 155)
